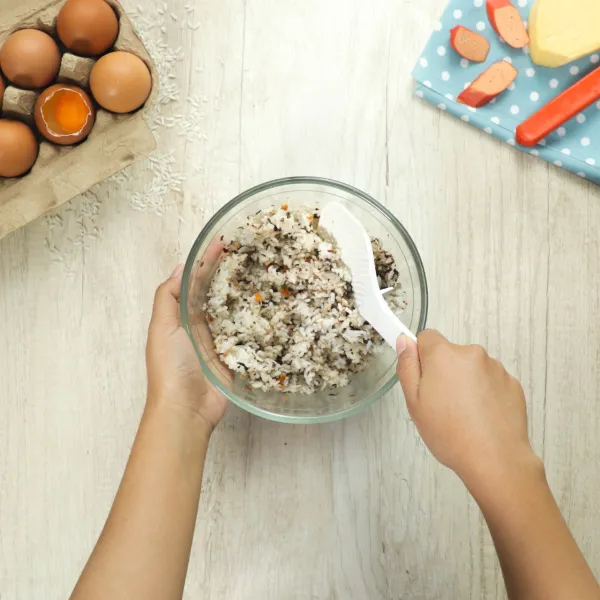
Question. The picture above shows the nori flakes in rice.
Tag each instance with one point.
(281, 308)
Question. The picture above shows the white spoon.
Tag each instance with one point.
(357, 253)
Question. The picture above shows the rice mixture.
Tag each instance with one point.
(281, 308)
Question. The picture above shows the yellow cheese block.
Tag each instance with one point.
(563, 30)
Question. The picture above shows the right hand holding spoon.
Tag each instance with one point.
(472, 415)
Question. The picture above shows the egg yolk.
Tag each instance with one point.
(68, 110)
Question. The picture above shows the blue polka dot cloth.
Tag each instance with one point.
(442, 75)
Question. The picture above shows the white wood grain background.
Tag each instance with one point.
(355, 510)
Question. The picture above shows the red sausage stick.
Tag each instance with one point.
(564, 107)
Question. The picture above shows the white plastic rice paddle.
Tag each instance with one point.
(357, 253)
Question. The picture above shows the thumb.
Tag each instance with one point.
(166, 303)
(409, 368)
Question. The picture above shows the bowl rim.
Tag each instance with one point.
(202, 237)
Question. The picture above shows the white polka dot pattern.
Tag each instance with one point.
(442, 74)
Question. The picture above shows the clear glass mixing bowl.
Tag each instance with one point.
(367, 386)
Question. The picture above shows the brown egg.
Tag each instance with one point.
(30, 59)
(18, 148)
(1, 92)
(64, 114)
(87, 27)
(120, 82)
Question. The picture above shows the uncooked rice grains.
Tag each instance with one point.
(281, 309)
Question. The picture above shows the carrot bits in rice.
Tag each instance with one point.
(292, 325)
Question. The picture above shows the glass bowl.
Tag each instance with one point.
(365, 387)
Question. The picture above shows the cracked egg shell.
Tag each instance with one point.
(64, 114)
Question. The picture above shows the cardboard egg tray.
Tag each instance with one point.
(63, 172)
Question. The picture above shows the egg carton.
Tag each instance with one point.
(63, 172)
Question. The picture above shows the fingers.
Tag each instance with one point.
(166, 302)
(409, 368)
(412, 360)
(429, 340)
(210, 259)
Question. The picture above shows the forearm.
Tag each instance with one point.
(539, 557)
(144, 549)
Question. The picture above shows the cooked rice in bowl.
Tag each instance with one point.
(281, 308)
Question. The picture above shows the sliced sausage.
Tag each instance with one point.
(507, 22)
(469, 44)
(489, 84)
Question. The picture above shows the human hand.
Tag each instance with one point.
(469, 411)
(175, 378)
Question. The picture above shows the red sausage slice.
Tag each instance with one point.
(489, 84)
(507, 22)
(469, 44)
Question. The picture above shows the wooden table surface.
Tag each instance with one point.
(253, 90)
